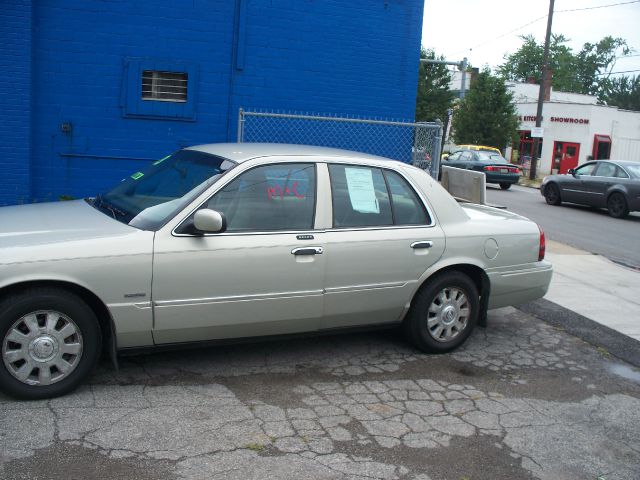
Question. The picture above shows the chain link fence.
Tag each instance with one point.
(415, 143)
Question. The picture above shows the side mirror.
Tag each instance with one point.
(571, 171)
(209, 221)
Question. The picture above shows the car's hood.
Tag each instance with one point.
(54, 223)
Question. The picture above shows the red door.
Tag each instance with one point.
(569, 156)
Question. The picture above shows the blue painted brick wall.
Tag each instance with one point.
(15, 101)
(328, 56)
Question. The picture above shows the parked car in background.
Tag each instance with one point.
(495, 167)
(229, 241)
(481, 148)
(614, 185)
(457, 148)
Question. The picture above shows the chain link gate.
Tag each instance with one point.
(416, 143)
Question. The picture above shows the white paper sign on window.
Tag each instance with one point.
(361, 191)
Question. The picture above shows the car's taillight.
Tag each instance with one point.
(495, 168)
(542, 248)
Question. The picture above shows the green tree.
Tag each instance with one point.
(487, 114)
(623, 92)
(434, 97)
(583, 72)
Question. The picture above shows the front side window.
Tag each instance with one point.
(270, 197)
(585, 169)
(149, 198)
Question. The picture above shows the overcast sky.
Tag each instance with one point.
(459, 28)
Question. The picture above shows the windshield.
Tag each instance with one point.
(491, 157)
(149, 198)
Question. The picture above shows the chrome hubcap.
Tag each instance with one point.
(42, 347)
(448, 314)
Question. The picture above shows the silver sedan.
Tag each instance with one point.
(229, 241)
(614, 185)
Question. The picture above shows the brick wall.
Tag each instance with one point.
(15, 101)
(325, 56)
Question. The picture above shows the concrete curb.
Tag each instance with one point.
(615, 343)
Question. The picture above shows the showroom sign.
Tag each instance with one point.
(533, 118)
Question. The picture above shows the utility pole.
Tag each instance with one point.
(543, 81)
(462, 66)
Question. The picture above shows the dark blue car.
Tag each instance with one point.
(495, 167)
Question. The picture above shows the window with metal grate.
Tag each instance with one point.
(164, 86)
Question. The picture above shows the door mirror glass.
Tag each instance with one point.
(209, 221)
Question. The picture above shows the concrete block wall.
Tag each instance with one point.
(15, 101)
(72, 128)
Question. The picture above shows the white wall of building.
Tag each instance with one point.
(570, 117)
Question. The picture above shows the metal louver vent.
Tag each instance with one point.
(164, 86)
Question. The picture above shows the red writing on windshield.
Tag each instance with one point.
(277, 191)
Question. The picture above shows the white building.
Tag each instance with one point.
(575, 127)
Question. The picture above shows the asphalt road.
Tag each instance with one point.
(520, 400)
(581, 227)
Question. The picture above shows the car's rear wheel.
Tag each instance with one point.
(444, 313)
(552, 194)
(51, 341)
(505, 186)
(617, 205)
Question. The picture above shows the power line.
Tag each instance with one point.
(599, 6)
(614, 73)
(543, 17)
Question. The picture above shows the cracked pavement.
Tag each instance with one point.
(520, 399)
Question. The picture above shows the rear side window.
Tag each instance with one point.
(606, 170)
(407, 207)
(360, 197)
(370, 197)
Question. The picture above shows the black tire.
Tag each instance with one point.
(74, 312)
(505, 186)
(552, 194)
(416, 325)
(617, 205)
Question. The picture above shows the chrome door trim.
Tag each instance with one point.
(373, 286)
(235, 298)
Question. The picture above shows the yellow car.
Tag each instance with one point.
(480, 147)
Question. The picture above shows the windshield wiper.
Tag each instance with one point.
(101, 203)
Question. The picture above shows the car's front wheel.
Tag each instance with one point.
(505, 186)
(443, 313)
(552, 194)
(51, 341)
(617, 205)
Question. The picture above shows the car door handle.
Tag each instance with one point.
(422, 244)
(307, 251)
